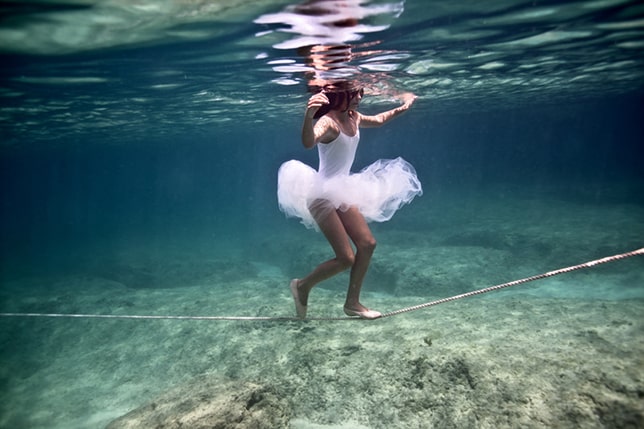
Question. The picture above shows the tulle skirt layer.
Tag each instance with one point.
(378, 191)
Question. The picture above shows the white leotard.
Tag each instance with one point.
(337, 157)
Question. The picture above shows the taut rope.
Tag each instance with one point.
(589, 264)
(521, 281)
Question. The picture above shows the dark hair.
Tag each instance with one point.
(336, 101)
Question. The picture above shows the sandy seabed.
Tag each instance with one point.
(562, 352)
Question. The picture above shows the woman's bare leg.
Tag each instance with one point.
(356, 226)
(330, 223)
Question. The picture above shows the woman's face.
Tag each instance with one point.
(354, 99)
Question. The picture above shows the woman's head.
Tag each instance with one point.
(339, 99)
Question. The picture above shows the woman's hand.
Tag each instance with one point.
(315, 102)
(408, 98)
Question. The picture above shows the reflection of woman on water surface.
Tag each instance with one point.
(337, 202)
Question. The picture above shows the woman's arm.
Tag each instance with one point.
(380, 119)
(312, 132)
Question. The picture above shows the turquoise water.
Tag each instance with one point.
(139, 150)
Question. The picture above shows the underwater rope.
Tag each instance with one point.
(589, 264)
(520, 281)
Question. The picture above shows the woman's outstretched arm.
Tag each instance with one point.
(372, 121)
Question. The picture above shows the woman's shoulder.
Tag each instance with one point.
(329, 129)
(360, 117)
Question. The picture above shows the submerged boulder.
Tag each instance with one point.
(212, 405)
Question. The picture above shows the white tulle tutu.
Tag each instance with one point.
(378, 191)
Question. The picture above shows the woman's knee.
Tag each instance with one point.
(367, 244)
(346, 260)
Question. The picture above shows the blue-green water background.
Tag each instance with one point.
(161, 138)
(62, 200)
(139, 149)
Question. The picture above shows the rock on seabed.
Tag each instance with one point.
(211, 405)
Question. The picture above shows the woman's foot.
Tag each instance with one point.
(300, 309)
(362, 312)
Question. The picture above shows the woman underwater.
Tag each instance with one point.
(340, 203)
